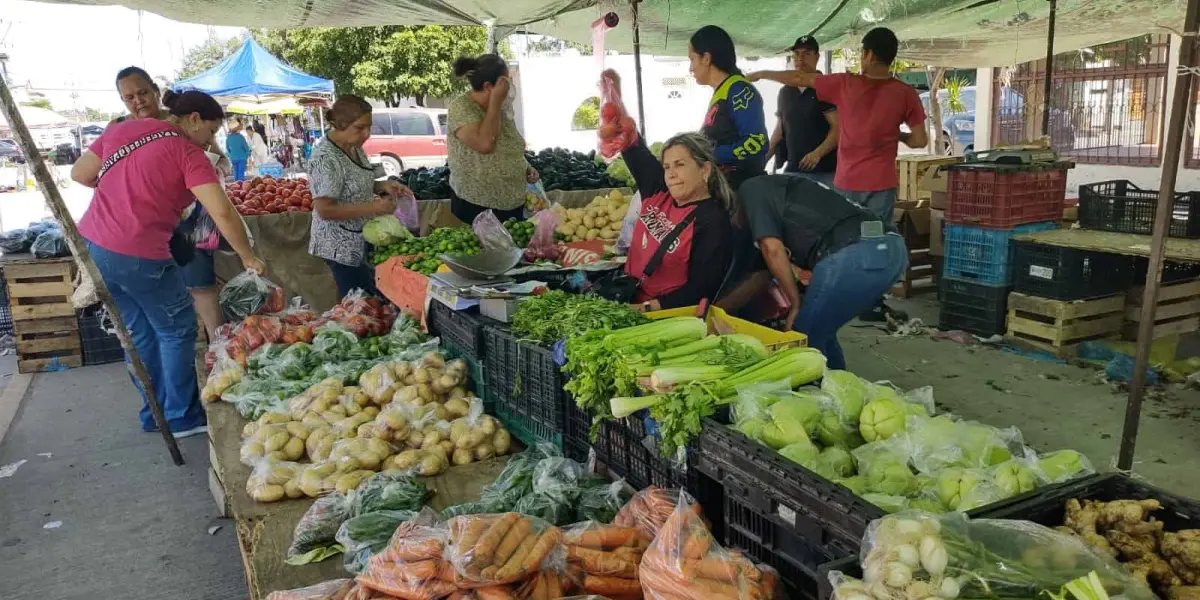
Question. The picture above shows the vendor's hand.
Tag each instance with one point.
(531, 175)
(253, 263)
(752, 77)
(810, 160)
(383, 205)
(500, 89)
(790, 321)
(613, 76)
(395, 189)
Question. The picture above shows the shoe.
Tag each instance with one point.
(179, 435)
(878, 314)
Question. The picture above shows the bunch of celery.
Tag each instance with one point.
(707, 359)
(603, 363)
(679, 414)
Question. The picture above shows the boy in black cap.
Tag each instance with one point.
(806, 135)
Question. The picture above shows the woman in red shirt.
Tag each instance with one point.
(686, 202)
(145, 172)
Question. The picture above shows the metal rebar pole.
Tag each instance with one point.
(1047, 85)
(637, 66)
(84, 258)
(1162, 217)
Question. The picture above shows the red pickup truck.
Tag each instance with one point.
(407, 138)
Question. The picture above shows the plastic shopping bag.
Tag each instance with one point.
(542, 245)
(617, 130)
(492, 235)
(408, 213)
(249, 293)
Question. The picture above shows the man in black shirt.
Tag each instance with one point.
(806, 135)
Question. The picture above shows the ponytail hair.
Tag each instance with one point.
(480, 70)
(701, 150)
(716, 43)
(192, 101)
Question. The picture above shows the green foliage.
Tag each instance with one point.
(387, 63)
(587, 116)
(39, 103)
(205, 56)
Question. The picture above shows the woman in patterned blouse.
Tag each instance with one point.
(344, 187)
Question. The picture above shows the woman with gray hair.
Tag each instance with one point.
(682, 241)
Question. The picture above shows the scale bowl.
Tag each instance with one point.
(488, 264)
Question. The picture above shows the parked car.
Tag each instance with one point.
(407, 138)
(958, 127)
(10, 151)
(89, 134)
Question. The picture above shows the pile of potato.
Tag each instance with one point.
(416, 417)
(599, 220)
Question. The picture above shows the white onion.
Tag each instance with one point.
(907, 554)
(896, 575)
(949, 588)
(933, 555)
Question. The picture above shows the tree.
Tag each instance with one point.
(205, 56)
(547, 44)
(854, 63)
(39, 103)
(98, 115)
(587, 116)
(386, 63)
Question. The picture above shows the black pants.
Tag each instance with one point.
(466, 212)
(349, 278)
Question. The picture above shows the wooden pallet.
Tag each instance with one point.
(1178, 310)
(1058, 326)
(920, 277)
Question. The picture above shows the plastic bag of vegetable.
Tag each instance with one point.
(249, 293)
(1059, 466)
(491, 233)
(314, 539)
(385, 230)
(273, 435)
(389, 491)
(648, 509)
(367, 534)
(516, 480)
(884, 467)
(686, 562)
(334, 342)
(886, 414)
(919, 554)
(253, 397)
(601, 503)
(50, 244)
(542, 245)
(411, 566)
(271, 480)
(751, 411)
(498, 549)
(293, 362)
(603, 558)
(379, 383)
(617, 131)
(940, 442)
(14, 242)
(334, 589)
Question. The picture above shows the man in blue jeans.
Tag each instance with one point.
(853, 258)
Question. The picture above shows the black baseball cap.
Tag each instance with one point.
(805, 42)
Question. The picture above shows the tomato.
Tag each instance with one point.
(272, 189)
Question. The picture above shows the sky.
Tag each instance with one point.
(59, 48)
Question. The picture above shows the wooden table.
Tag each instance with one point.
(1131, 244)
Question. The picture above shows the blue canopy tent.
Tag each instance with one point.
(252, 73)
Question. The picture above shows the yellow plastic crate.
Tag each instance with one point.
(719, 322)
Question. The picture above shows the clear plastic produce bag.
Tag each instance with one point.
(491, 233)
(367, 534)
(314, 539)
(617, 131)
(542, 245)
(649, 509)
(685, 562)
(936, 443)
(603, 559)
(412, 567)
(335, 589)
(249, 293)
(499, 549)
(631, 217)
(601, 503)
(917, 554)
(15, 241)
(408, 213)
(50, 244)
(270, 480)
(536, 199)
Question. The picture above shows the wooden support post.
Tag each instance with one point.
(1162, 217)
(637, 66)
(78, 248)
(1048, 85)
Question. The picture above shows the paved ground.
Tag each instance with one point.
(132, 525)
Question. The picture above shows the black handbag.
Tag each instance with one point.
(183, 249)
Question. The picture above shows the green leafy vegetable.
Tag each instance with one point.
(557, 315)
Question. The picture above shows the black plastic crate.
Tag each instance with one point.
(462, 328)
(577, 440)
(634, 455)
(524, 387)
(769, 535)
(848, 566)
(972, 307)
(1049, 507)
(6, 320)
(1121, 206)
(99, 346)
(1069, 273)
(1173, 272)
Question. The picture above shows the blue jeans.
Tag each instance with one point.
(200, 273)
(879, 203)
(239, 170)
(844, 284)
(157, 309)
(348, 278)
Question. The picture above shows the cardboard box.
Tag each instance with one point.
(936, 218)
(912, 221)
(919, 176)
(939, 199)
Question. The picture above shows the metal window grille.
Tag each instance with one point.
(1107, 103)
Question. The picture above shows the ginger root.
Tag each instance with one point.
(1182, 550)
(1130, 512)
(1082, 518)
(1183, 592)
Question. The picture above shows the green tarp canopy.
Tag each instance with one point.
(961, 33)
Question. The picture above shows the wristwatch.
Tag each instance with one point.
(646, 306)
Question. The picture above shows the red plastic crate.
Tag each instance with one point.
(1002, 196)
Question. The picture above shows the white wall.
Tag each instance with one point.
(553, 87)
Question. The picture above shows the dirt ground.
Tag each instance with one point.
(1054, 405)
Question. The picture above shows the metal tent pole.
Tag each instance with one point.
(637, 65)
(1162, 216)
(1046, 85)
(80, 250)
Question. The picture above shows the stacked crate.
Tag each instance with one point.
(987, 204)
(44, 323)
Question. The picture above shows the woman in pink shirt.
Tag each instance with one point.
(145, 173)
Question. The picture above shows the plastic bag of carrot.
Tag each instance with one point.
(335, 589)
(412, 566)
(499, 549)
(603, 559)
(649, 509)
(684, 562)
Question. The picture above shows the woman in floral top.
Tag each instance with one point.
(343, 186)
(487, 162)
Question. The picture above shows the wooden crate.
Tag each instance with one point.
(919, 177)
(920, 277)
(1178, 310)
(47, 344)
(1058, 326)
(40, 289)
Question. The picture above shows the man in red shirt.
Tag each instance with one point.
(872, 106)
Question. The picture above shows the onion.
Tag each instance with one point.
(907, 554)
(949, 588)
(933, 555)
(896, 575)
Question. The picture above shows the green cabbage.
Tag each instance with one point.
(856, 484)
(385, 230)
(889, 503)
(881, 419)
(889, 475)
(926, 503)
(1014, 478)
(792, 420)
(801, 451)
(957, 488)
(1054, 467)
(850, 392)
(832, 463)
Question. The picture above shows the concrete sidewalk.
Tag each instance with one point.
(98, 510)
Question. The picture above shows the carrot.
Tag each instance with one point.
(407, 550)
(554, 588)
(495, 592)
(544, 545)
(605, 538)
(610, 586)
(512, 567)
(446, 571)
(629, 553)
(721, 570)
(471, 530)
(711, 588)
(485, 548)
(511, 540)
(539, 591)
(405, 590)
(697, 542)
(414, 571)
(601, 563)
